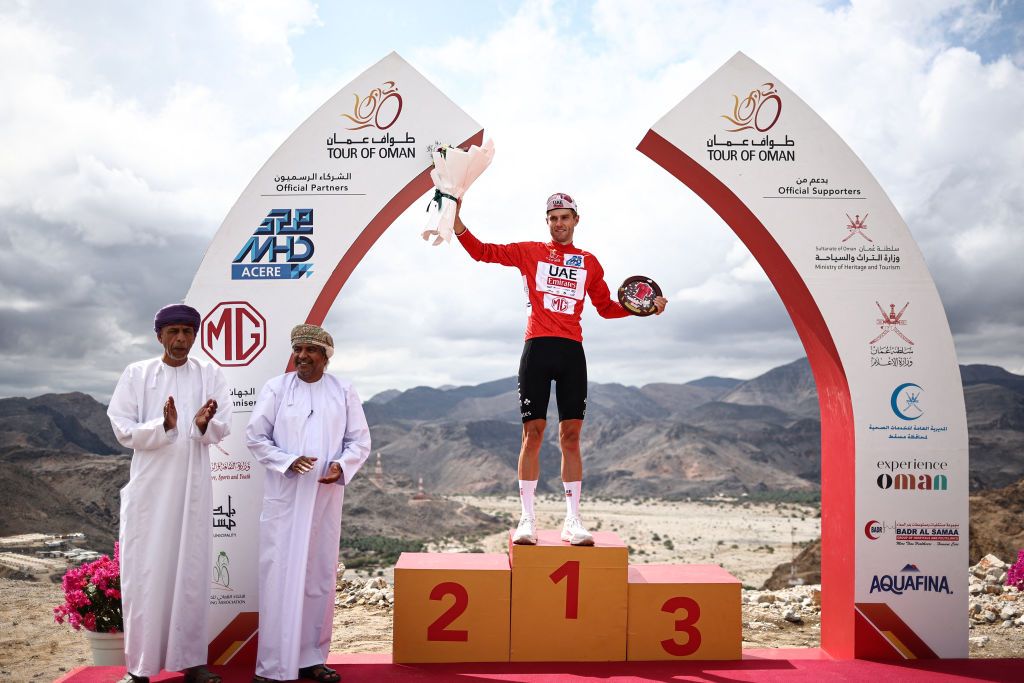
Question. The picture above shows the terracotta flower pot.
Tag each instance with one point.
(107, 648)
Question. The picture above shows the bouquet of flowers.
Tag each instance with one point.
(454, 171)
(1015, 577)
(92, 596)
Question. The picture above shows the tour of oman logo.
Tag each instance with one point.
(380, 108)
(759, 110)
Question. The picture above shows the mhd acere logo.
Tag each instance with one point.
(280, 248)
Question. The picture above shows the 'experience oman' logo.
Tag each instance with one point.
(759, 110)
(380, 108)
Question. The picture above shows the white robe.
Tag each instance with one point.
(166, 511)
(300, 526)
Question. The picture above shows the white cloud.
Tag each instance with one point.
(141, 122)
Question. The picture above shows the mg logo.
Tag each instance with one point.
(233, 333)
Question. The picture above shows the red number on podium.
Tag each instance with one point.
(439, 629)
(570, 571)
(683, 625)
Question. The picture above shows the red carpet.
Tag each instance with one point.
(810, 665)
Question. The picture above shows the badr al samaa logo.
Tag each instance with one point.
(379, 108)
(759, 110)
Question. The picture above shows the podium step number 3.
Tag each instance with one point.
(683, 612)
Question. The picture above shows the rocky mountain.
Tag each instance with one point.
(74, 423)
(669, 440)
(59, 460)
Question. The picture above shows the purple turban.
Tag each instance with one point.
(176, 314)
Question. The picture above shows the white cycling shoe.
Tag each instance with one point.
(526, 532)
(574, 532)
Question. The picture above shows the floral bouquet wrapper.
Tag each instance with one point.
(455, 169)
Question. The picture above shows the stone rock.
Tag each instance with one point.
(974, 608)
(978, 641)
(792, 617)
(1007, 613)
(762, 626)
(990, 617)
(766, 598)
(975, 589)
(991, 561)
(1007, 624)
(816, 596)
(993, 589)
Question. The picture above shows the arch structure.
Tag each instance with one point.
(894, 470)
(281, 257)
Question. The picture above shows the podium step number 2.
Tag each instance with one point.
(451, 607)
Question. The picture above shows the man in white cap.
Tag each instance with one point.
(309, 431)
(166, 507)
(557, 275)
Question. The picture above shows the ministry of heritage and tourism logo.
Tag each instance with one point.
(857, 226)
(910, 579)
(284, 234)
(379, 108)
(759, 110)
(856, 249)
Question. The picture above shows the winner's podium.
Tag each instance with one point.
(568, 602)
(557, 602)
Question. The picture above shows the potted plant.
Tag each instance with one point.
(92, 600)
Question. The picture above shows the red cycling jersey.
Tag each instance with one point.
(555, 276)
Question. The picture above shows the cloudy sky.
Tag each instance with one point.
(128, 129)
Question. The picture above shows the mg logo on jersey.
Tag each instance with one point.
(233, 334)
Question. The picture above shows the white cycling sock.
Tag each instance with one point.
(526, 491)
(572, 498)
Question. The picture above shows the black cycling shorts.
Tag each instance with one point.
(553, 358)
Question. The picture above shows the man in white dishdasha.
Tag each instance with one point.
(166, 507)
(309, 431)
